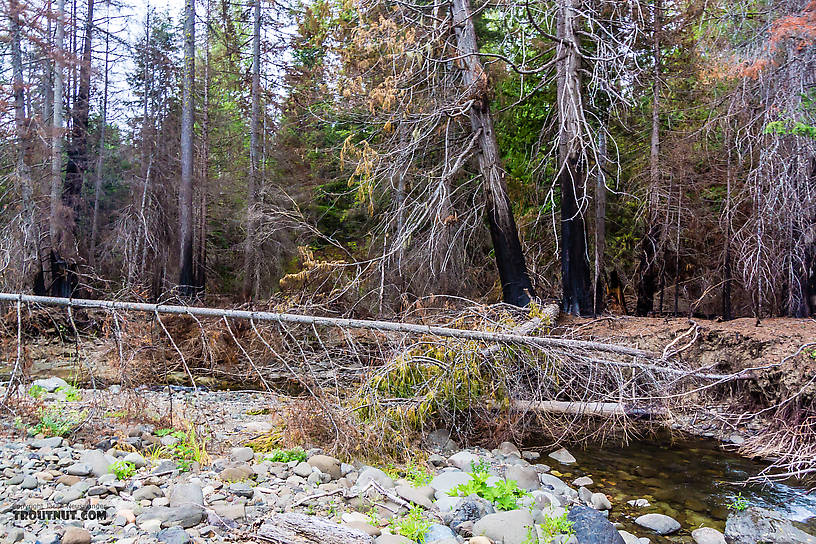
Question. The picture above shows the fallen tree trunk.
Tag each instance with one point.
(601, 409)
(291, 528)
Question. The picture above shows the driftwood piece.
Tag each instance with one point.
(291, 528)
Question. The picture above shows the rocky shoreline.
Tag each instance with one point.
(141, 483)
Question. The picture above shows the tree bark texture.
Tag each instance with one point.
(186, 280)
(517, 288)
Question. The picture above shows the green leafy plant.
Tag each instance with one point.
(481, 466)
(556, 526)
(285, 456)
(164, 432)
(71, 393)
(123, 469)
(36, 391)
(417, 475)
(57, 421)
(739, 503)
(504, 494)
(373, 517)
(413, 525)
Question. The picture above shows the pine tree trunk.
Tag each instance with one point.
(575, 282)
(250, 251)
(53, 271)
(516, 286)
(600, 227)
(186, 280)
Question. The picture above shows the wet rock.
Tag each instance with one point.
(599, 501)
(592, 527)
(76, 535)
(512, 527)
(659, 523)
(470, 508)
(756, 524)
(707, 535)
(583, 481)
(639, 503)
(563, 456)
(525, 476)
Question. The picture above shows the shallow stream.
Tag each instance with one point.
(693, 481)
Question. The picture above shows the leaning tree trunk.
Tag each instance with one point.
(516, 286)
(186, 280)
(575, 282)
(649, 248)
(28, 232)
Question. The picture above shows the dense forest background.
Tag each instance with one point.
(628, 156)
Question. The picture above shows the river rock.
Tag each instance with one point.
(186, 516)
(583, 481)
(374, 474)
(173, 535)
(423, 496)
(659, 523)
(370, 530)
(558, 486)
(639, 503)
(98, 461)
(76, 535)
(508, 448)
(441, 442)
(50, 384)
(242, 490)
(437, 533)
(463, 460)
(393, 539)
(599, 501)
(186, 494)
(512, 527)
(79, 469)
(756, 524)
(29, 482)
(525, 476)
(236, 473)
(242, 455)
(52, 442)
(148, 492)
(707, 535)
(563, 456)
(136, 459)
(470, 508)
(592, 527)
(327, 465)
(303, 469)
(444, 482)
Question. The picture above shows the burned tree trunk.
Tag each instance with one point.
(575, 282)
(186, 279)
(516, 286)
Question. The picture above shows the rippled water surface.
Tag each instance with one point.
(693, 481)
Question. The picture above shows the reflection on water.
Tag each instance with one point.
(693, 481)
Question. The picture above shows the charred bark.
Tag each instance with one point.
(517, 288)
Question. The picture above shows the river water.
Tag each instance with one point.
(694, 481)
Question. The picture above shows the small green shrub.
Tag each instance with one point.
(556, 526)
(739, 503)
(57, 421)
(481, 466)
(285, 456)
(36, 391)
(164, 432)
(123, 469)
(417, 475)
(71, 393)
(504, 494)
(412, 526)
